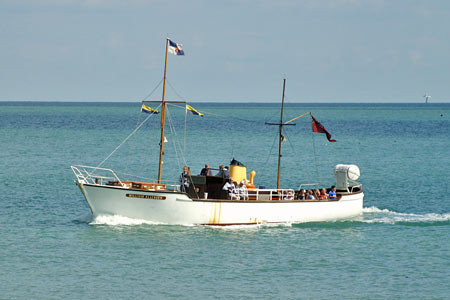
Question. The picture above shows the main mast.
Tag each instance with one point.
(281, 135)
(163, 117)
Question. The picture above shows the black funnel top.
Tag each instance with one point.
(236, 163)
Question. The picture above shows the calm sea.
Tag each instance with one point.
(51, 248)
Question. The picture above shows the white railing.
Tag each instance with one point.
(309, 186)
(267, 194)
(312, 186)
(103, 176)
(93, 175)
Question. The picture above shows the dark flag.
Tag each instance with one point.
(317, 127)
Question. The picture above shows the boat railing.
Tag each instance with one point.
(94, 175)
(352, 186)
(267, 194)
(309, 186)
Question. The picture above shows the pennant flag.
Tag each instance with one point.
(317, 127)
(175, 48)
(193, 111)
(148, 110)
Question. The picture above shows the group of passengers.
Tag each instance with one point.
(206, 171)
(235, 191)
(317, 194)
(223, 171)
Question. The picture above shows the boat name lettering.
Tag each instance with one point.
(146, 196)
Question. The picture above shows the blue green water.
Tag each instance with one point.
(51, 248)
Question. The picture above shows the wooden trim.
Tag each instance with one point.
(135, 190)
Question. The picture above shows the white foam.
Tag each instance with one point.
(252, 226)
(375, 215)
(117, 220)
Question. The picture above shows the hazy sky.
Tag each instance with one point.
(329, 50)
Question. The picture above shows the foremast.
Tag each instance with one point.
(163, 116)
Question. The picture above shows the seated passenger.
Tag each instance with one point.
(206, 171)
(301, 195)
(289, 196)
(323, 194)
(332, 193)
(242, 191)
(317, 194)
(309, 195)
(230, 187)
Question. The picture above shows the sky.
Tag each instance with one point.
(236, 50)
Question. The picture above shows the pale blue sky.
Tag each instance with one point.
(329, 50)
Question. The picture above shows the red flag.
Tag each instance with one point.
(317, 127)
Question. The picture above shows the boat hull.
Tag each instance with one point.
(178, 208)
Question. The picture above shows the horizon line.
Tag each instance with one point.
(220, 102)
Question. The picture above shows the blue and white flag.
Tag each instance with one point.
(175, 48)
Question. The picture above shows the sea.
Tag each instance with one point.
(52, 248)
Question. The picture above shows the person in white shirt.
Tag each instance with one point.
(242, 191)
(231, 189)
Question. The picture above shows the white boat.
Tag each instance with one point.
(201, 200)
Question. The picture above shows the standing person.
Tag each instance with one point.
(223, 172)
(206, 171)
(332, 193)
(184, 178)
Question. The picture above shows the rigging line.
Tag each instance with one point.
(217, 115)
(297, 159)
(315, 155)
(270, 153)
(182, 156)
(123, 142)
(172, 129)
(185, 127)
(132, 148)
(157, 86)
(181, 97)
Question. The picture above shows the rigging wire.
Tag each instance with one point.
(315, 155)
(123, 142)
(271, 149)
(172, 130)
(218, 115)
(293, 149)
(185, 126)
(173, 89)
(132, 148)
(157, 86)
(176, 145)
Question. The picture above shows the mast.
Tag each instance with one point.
(281, 135)
(163, 117)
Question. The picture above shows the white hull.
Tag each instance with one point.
(178, 208)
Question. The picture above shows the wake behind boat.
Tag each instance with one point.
(228, 198)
